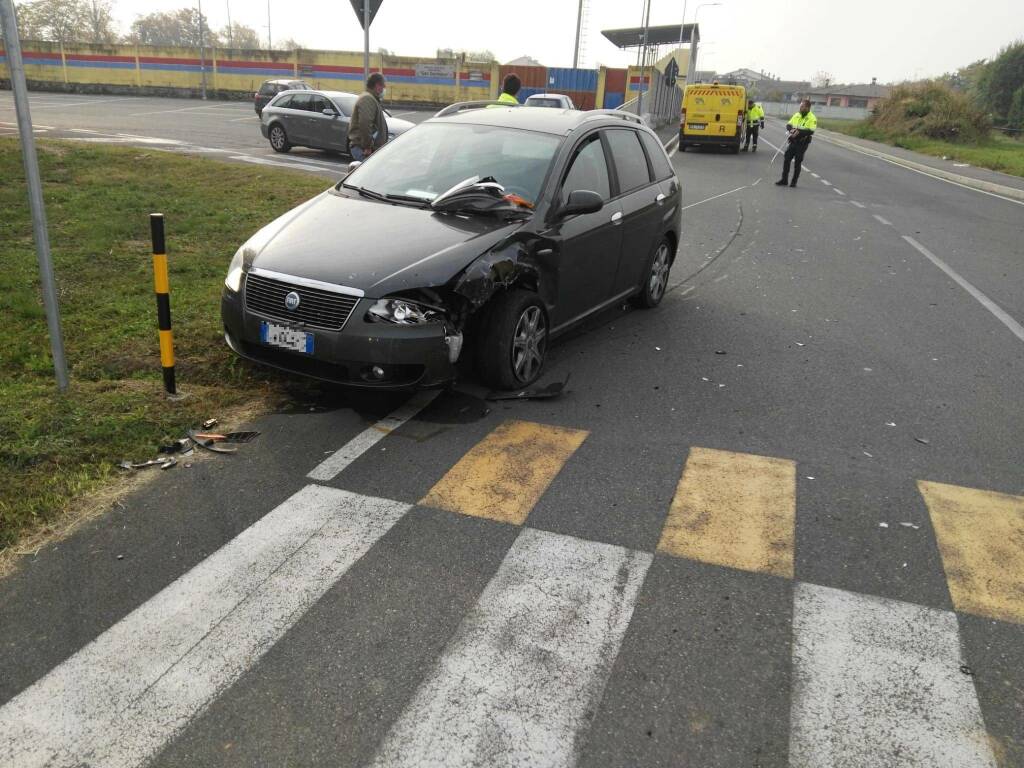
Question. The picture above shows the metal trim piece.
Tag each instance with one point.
(330, 287)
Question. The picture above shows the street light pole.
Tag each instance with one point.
(12, 45)
(693, 44)
(270, 40)
(202, 50)
(579, 25)
(366, 40)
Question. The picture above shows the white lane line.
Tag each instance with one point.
(929, 175)
(756, 183)
(169, 111)
(878, 682)
(254, 117)
(815, 175)
(859, 205)
(1015, 328)
(34, 126)
(882, 220)
(709, 199)
(120, 699)
(330, 467)
(61, 105)
(838, 191)
(826, 183)
(280, 164)
(523, 674)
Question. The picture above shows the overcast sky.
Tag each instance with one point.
(854, 41)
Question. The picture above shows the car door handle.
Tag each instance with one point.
(659, 199)
(616, 217)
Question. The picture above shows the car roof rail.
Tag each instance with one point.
(464, 106)
(592, 113)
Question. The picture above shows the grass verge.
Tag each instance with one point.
(57, 449)
(999, 153)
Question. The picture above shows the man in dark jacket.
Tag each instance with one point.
(368, 130)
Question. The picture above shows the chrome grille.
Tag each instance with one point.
(317, 308)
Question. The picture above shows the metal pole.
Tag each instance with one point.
(231, 29)
(270, 40)
(643, 66)
(202, 50)
(366, 40)
(579, 28)
(9, 22)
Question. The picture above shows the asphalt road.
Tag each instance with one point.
(775, 522)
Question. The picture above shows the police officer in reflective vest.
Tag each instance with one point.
(755, 122)
(800, 127)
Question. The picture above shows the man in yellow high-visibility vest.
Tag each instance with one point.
(800, 129)
(509, 88)
(755, 122)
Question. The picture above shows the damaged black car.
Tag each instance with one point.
(485, 232)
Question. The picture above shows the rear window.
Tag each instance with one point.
(659, 162)
(630, 161)
(532, 102)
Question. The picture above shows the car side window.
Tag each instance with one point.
(588, 170)
(629, 158)
(301, 101)
(346, 104)
(284, 101)
(320, 104)
(662, 167)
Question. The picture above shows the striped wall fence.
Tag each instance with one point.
(238, 73)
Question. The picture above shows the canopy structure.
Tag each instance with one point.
(670, 34)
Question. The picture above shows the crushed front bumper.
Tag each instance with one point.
(410, 357)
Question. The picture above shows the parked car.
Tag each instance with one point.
(489, 230)
(271, 88)
(316, 119)
(554, 100)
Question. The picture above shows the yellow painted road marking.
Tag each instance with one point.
(734, 509)
(505, 474)
(981, 539)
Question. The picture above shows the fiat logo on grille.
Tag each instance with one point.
(292, 301)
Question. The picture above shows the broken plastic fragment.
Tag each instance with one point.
(910, 525)
(883, 525)
(922, 440)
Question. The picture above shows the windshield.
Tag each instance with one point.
(531, 102)
(434, 157)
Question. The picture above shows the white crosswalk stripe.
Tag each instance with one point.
(515, 685)
(878, 682)
(121, 698)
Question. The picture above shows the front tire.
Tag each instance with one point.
(656, 281)
(513, 342)
(278, 138)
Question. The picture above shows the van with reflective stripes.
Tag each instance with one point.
(713, 115)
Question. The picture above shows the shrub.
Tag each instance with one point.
(931, 109)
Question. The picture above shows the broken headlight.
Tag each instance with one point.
(401, 312)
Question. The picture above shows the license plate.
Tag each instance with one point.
(286, 338)
(697, 126)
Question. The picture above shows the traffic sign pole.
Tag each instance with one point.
(9, 22)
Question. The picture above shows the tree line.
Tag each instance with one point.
(995, 86)
(92, 21)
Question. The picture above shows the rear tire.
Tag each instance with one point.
(682, 147)
(513, 340)
(278, 138)
(656, 277)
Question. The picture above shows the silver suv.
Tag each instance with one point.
(316, 119)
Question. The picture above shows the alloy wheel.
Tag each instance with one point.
(529, 343)
(659, 273)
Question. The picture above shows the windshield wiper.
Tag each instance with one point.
(385, 198)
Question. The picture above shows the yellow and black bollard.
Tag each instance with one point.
(162, 285)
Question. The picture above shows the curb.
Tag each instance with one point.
(990, 187)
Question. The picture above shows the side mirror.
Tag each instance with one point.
(330, 112)
(581, 201)
(353, 165)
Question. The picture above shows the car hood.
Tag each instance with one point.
(375, 247)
